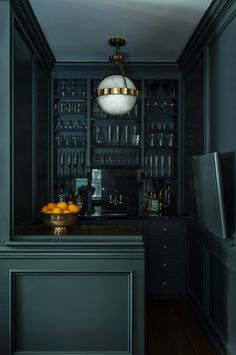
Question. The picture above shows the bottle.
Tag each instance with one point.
(70, 197)
(149, 203)
(61, 197)
(169, 201)
(161, 203)
(154, 204)
(79, 199)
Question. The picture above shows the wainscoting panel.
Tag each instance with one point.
(81, 312)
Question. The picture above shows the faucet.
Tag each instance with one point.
(116, 199)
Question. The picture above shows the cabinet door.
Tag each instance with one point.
(221, 301)
(196, 272)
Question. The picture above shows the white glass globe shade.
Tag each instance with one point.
(116, 104)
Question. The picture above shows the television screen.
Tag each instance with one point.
(209, 193)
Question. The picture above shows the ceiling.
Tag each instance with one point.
(155, 30)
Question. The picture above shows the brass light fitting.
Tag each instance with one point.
(117, 58)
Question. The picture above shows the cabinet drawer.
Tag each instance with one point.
(169, 284)
(166, 247)
(166, 228)
(166, 265)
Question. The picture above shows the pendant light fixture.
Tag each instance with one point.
(116, 94)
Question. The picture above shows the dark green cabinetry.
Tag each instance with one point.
(85, 298)
(30, 129)
(87, 141)
(211, 285)
(23, 130)
(165, 257)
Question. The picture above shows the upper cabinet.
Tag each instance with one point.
(90, 144)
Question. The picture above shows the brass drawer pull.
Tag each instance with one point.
(164, 265)
(164, 228)
(164, 283)
(164, 247)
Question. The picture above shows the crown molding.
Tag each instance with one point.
(27, 18)
(200, 37)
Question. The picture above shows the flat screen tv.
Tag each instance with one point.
(209, 193)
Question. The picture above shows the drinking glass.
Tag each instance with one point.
(73, 88)
(68, 160)
(62, 163)
(75, 162)
(64, 91)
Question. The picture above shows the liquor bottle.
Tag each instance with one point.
(70, 197)
(79, 200)
(169, 200)
(154, 204)
(149, 203)
(61, 197)
(161, 204)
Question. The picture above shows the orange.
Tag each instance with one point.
(48, 212)
(51, 206)
(66, 211)
(73, 208)
(57, 210)
(44, 209)
(62, 205)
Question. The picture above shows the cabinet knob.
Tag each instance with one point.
(164, 228)
(164, 247)
(164, 283)
(164, 265)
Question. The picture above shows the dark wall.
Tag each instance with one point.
(42, 140)
(194, 128)
(222, 59)
(23, 129)
(5, 161)
(210, 103)
(30, 138)
(222, 103)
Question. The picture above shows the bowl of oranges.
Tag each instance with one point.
(59, 216)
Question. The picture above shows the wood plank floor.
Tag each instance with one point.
(173, 329)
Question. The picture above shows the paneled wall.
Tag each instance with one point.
(208, 65)
(194, 137)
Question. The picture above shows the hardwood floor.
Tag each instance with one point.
(172, 329)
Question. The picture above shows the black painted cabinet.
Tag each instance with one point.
(165, 258)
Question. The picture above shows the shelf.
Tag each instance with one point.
(116, 119)
(70, 130)
(160, 114)
(70, 176)
(71, 146)
(117, 146)
(70, 97)
(158, 177)
(112, 166)
(162, 147)
(160, 97)
(70, 113)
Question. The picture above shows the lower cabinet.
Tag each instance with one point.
(211, 286)
(221, 295)
(71, 303)
(165, 258)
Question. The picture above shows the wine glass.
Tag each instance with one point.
(63, 88)
(75, 162)
(62, 163)
(68, 160)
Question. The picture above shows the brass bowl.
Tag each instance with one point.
(59, 221)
